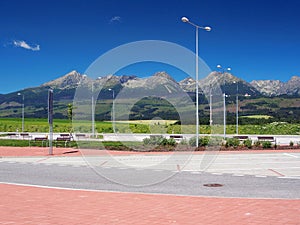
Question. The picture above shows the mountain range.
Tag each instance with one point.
(226, 81)
(64, 87)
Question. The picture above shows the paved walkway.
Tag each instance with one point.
(33, 205)
(37, 205)
(40, 151)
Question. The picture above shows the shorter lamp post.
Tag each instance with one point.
(210, 106)
(22, 111)
(224, 96)
(113, 104)
(237, 107)
(93, 111)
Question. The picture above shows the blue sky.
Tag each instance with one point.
(42, 40)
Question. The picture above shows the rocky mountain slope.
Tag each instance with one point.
(276, 87)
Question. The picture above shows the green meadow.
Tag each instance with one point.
(149, 126)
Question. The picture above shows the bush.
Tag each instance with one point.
(291, 144)
(257, 143)
(184, 142)
(232, 142)
(192, 141)
(248, 143)
(202, 141)
(171, 142)
(153, 140)
(159, 140)
(215, 141)
(266, 144)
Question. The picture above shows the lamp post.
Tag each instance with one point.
(113, 104)
(22, 110)
(210, 106)
(93, 111)
(186, 20)
(224, 97)
(237, 107)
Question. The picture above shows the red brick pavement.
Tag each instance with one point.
(39, 151)
(33, 205)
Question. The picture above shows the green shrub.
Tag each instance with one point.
(192, 141)
(159, 140)
(202, 141)
(171, 142)
(163, 142)
(215, 141)
(232, 142)
(184, 142)
(153, 140)
(248, 143)
(257, 143)
(266, 144)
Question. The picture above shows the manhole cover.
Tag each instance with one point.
(213, 185)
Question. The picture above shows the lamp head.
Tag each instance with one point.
(207, 28)
(184, 19)
(219, 66)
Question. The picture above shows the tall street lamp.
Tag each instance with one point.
(186, 20)
(23, 97)
(237, 107)
(224, 96)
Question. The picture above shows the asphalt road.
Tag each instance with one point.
(76, 173)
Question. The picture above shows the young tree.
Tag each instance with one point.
(70, 111)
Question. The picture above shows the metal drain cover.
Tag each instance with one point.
(213, 185)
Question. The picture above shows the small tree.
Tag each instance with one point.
(70, 111)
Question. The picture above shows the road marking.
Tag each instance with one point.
(195, 172)
(106, 167)
(274, 171)
(217, 173)
(289, 178)
(41, 160)
(238, 175)
(260, 176)
(288, 154)
(103, 163)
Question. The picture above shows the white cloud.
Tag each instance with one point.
(115, 19)
(23, 44)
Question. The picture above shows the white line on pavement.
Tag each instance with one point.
(288, 154)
